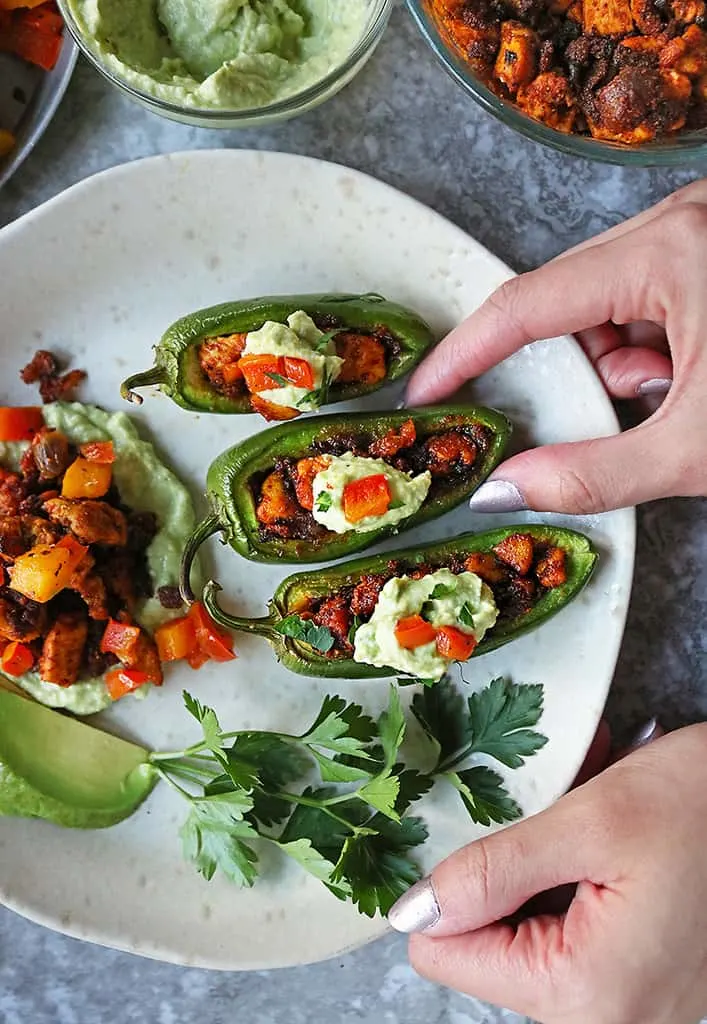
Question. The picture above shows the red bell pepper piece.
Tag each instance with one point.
(120, 681)
(213, 641)
(257, 370)
(413, 632)
(120, 639)
(369, 496)
(20, 423)
(98, 451)
(17, 659)
(454, 644)
(298, 372)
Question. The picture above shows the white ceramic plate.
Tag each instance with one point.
(99, 273)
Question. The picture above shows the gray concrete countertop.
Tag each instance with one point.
(405, 122)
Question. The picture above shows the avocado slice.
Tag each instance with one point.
(60, 769)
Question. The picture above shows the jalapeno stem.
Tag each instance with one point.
(157, 375)
(206, 528)
(258, 627)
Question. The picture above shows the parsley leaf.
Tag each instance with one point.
(319, 637)
(352, 631)
(318, 396)
(207, 718)
(213, 837)
(466, 617)
(323, 342)
(395, 504)
(312, 861)
(324, 501)
(278, 379)
(494, 722)
(484, 795)
(499, 720)
(340, 727)
(441, 590)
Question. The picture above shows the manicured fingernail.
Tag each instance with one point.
(656, 386)
(652, 730)
(402, 404)
(497, 496)
(417, 910)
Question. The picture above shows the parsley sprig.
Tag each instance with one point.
(348, 829)
(495, 722)
(336, 798)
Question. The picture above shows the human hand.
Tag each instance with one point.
(636, 296)
(631, 948)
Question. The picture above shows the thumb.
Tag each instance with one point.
(584, 477)
(493, 877)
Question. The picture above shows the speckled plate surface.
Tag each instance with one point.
(28, 99)
(151, 241)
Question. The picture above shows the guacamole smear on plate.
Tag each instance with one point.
(220, 54)
(144, 485)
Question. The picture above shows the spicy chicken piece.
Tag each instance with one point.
(275, 503)
(517, 551)
(118, 573)
(474, 34)
(364, 359)
(548, 98)
(485, 565)
(219, 359)
(50, 454)
(646, 17)
(12, 539)
(551, 569)
(145, 658)
(517, 56)
(521, 594)
(394, 441)
(91, 522)
(640, 103)
(687, 54)
(91, 588)
(366, 594)
(270, 411)
(42, 365)
(21, 619)
(38, 531)
(688, 11)
(448, 451)
(305, 472)
(62, 651)
(335, 615)
(608, 17)
(12, 493)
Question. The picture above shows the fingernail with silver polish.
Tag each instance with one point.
(417, 910)
(402, 404)
(656, 386)
(652, 730)
(497, 496)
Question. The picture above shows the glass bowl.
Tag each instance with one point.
(678, 149)
(377, 15)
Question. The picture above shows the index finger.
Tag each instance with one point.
(600, 283)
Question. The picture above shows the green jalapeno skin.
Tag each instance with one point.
(178, 374)
(295, 591)
(233, 501)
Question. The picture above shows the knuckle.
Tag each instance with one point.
(684, 222)
(506, 301)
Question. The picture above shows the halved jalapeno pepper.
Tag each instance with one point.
(261, 491)
(527, 593)
(379, 342)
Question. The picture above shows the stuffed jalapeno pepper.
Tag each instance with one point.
(281, 356)
(415, 611)
(337, 484)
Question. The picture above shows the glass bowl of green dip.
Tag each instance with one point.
(227, 63)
